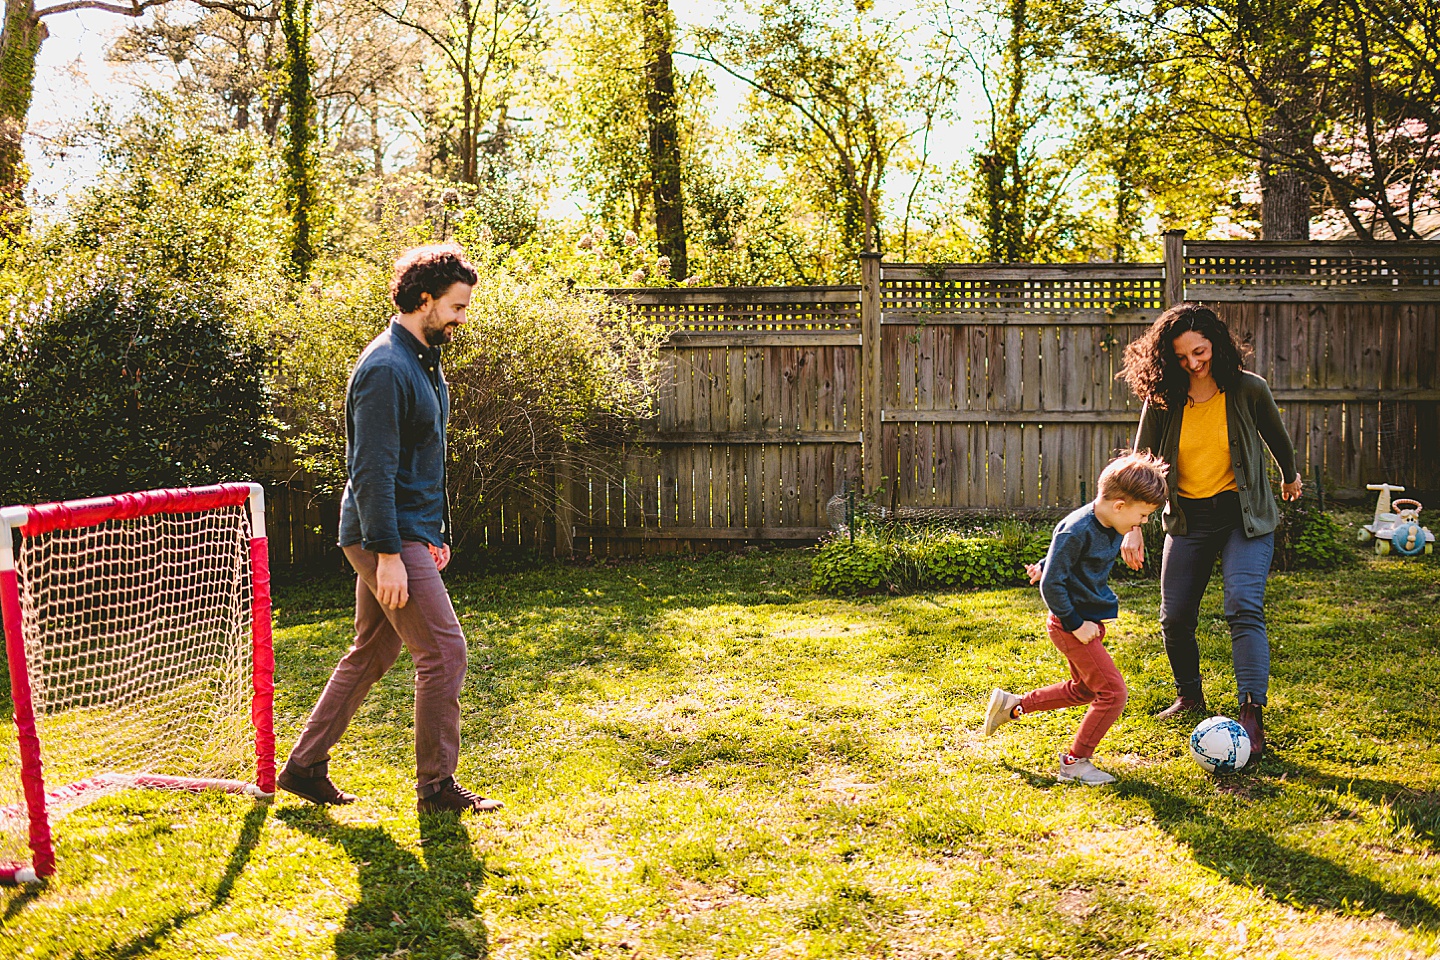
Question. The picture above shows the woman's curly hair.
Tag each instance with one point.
(431, 269)
(1153, 371)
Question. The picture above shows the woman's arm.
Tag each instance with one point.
(1151, 431)
(1277, 438)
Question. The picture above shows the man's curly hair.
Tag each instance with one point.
(431, 269)
(1154, 372)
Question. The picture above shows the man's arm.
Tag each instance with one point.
(375, 396)
(374, 400)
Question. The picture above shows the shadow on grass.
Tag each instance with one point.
(17, 899)
(1254, 858)
(244, 846)
(406, 907)
(1419, 810)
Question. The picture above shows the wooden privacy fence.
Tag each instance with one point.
(995, 389)
(757, 425)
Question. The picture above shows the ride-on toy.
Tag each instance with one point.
(1397, 525)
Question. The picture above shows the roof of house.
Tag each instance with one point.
(1427, 225)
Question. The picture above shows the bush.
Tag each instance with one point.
(127, 383)
(1308, 538)
(907, 559)
(541, 377)
(844, 566)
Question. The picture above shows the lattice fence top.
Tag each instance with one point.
(910, 292)
(717, 309)
(1313, 271)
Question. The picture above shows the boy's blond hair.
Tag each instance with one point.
(1137, 477)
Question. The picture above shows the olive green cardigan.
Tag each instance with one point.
(1252, 416)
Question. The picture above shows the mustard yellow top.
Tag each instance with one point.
(1203, 465)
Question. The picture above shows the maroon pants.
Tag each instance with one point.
(1094, 679)
(428, 628)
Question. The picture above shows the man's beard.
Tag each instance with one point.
(437, 334)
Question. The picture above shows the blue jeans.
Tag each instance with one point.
(1215, 529)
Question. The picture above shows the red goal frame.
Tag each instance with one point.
(43, 518)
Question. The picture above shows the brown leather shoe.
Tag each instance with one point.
(315, 789)
(1250, 718)
(1183, 705)
(453, 798)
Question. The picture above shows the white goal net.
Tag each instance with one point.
(139, 646)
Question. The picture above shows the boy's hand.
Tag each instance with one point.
(1087, 631)
(1034, 571)
(1132, 549)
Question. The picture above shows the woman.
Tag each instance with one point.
(1207, 418)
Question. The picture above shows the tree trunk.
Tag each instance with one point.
(1284, 190)
(377, 145)
(664, 138)
(19, 46)
(300, 139)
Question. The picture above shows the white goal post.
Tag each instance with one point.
(137, 634)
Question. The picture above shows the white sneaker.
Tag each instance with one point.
(1000, 711)
(1081, 770)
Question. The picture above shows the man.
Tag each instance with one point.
(395, 531)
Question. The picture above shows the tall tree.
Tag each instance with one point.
(488, 47)
(1025, 166)
(828, 94)
(20, 40)
(664, 153)
(1328, 99)
(235, 66)
(295, 23)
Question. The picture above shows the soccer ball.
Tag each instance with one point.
(1220, 745)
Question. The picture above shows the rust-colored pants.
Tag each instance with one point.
(1094, 679)
(428, 628)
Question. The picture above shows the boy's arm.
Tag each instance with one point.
(1063, 556)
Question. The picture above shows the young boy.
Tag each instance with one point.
(1074, 582)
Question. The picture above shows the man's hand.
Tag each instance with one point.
(392, 582)
(1034, 571)
(1132, 549)
(1087, 631)
(1291, 491)
(441, 555)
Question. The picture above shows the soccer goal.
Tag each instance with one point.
(137, 631)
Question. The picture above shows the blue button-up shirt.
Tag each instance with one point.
(396, 407)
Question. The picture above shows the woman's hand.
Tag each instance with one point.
(1132, 549)
(1291, 491)
(1034, 571)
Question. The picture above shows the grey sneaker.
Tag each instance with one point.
(1081, 770)
(999, 713)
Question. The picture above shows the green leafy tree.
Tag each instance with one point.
(829, 97)
(488, 53)
(20, 39)
(176, 197)
(1323, 99)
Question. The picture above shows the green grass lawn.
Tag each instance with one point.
(702, 758)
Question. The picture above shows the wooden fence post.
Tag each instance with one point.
(870, 364)
(565, 508)
(1174, 267)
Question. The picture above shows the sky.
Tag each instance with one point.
(72, 77)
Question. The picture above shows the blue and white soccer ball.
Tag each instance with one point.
(1220, 745)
